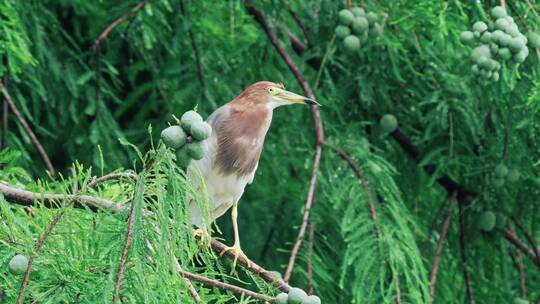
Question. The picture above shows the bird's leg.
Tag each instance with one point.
(236, 250)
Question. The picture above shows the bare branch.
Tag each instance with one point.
(112, 176)
(5, 110)
(438, 250)
(310, 256)
(115, 23)
(511, 237)
(530, 239)
(462, 245)
(26, 127)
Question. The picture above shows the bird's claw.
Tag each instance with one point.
(203, 235)
(236, 251)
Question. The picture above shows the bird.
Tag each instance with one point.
(233, 150)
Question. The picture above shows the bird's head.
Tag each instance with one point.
(273, 95)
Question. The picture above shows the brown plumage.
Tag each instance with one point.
(233, 150)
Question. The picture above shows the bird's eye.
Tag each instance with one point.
(270, 90)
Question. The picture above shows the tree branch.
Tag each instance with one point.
(26, 127)
(112, 176)
(5, 110)
(319, 132)
(438, 250)
(310, 256)
(115, 23)
(511, 237)
(462, 244)
(529, 238)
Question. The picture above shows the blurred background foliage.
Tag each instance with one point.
(174, 55)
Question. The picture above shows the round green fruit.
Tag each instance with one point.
(502, 24)
(501, 170)
(18, 264)
(513, 175)
(201, 130)
(358, 11)
(360, 25)
(352, 43)
(296, 296)
(500, 220)
(480, 51)
(282, 298)
(388, 123)
(312, 300)
(195, 150)
(475, 69)
(496, 36)
(498, 12)
(505, 53)
(520, 57)
(466, 37)
(486, 37)
(498, 182)
(505, 39)
(494, 48)
(479, 26)
(486, 222)
(372, 17)
(345, 17)
(376, 30)
(516, 44)
(534, 39)
(342, 31)
(182, 158)
(188, 119)
(276, 274)
(495, 76)
(173, 137)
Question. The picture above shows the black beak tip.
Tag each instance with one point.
(312, 102)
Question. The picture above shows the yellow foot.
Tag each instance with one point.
(202, 235)
(236, 251)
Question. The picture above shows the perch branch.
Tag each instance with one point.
(112, 176)
(26, 198)
(26, 127)
(438, 250)
(319, 132)
(115, 23)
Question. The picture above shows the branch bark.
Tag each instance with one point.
(26, 127)
(319, 132)
(511, 237)
(103, 36)
(462, 245)
(438, 250)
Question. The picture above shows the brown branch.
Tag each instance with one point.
(26, 127)
(112, 176)
(462, 245)
(521, 270)
(511, 237)
(362, 178)
(300, 24)
(225, 286)
(115, 23)
(530, 239)
(398, 292)
(26, 198)
(310, 256)
(198, 61)
(5, 112)
(318, 125)
(127, 244)
(438, 250)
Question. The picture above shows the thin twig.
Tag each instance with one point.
(511, 237)
(300, 24)
(305, 218)
(5, 110)
(462, 245)
(28, 130)
(111, 176)
(319, 131)
(529, 238)
(398, 292)
(127, 243)
(115, 23)
(198, 61)
(521, 270)
(310, 256)
(438, 250)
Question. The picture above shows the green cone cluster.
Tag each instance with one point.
(187, 138)
(500, 41)
(297, 296)
(18, 264)
(502, 175)
(356, 26)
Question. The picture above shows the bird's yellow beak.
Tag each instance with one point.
(293, 97)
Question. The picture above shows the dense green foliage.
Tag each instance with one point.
(103, 110)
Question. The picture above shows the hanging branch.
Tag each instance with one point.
(462, 244)
(103, 36)
(5, 109)
(300, 24)
(530, 239)
(310, 256)
(511, 237)
(438, 250)
(127, 245)
(26, 127)
(319, 132)
(521, 270)
(26, 198)
(198, 61)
